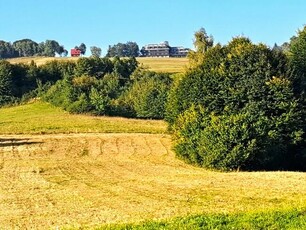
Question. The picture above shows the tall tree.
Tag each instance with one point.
(26, 47)
(129, 49)
(82, 48)
(6, 50)
(202, 42)
(6, 84)
(132, 49)
(96, 51)
(297, 57)
(51, 47)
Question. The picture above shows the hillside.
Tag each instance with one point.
(92, 179)
(72, 177)
(170, 65)
(43, 118)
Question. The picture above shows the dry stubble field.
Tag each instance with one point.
(169, 65)
(73, 180)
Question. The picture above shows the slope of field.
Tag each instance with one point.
(39, 60)
(169, 65)
(93, 171)
(41, 118)
(73, 180)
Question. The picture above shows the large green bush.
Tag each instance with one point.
(147, 95)
(62, 93)
(101, 87)
(88, 85)
(238, 110)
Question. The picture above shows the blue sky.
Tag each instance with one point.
(107, 22)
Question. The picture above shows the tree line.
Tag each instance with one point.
(29, 48)
(99, 86)
(49, 48)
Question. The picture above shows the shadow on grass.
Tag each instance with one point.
(7, 142)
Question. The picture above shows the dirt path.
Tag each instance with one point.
(91, 179)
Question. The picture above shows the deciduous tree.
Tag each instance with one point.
(82, 48)
(202, 42)
(95, 51)
(238, 110)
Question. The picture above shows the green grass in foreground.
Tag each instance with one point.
(293, 219)
(40, 118)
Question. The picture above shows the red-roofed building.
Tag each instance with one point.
(75, 52)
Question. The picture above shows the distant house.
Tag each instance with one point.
(75, 52)
(179, 51)
(163, 50)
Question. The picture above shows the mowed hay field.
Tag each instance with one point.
(169, 65)
(88, 180)
(93, 175)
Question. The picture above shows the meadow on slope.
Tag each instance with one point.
(84, 179)
(169, 65)
(42, 118)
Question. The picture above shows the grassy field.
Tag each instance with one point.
(170, 65)
(88, 180)
(38, 60)
(78, 175)
(43, 118)
(291, 219)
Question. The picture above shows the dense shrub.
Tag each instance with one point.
(93, 66)
(52, 71)
(100, 86)
(238, 110)
(126, 91)
(62, 93)
(100, 101)
(80, 105)
(148, 94)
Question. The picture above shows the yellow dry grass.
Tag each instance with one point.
(170, 65)
(39, 60)
(73, 180)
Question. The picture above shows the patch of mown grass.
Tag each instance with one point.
(168, 65)
(272, 220)
(42, 118)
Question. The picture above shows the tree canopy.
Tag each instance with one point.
(28, 48)
(129, 49)
(238, 109)
(202, 42)
(95, 51)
